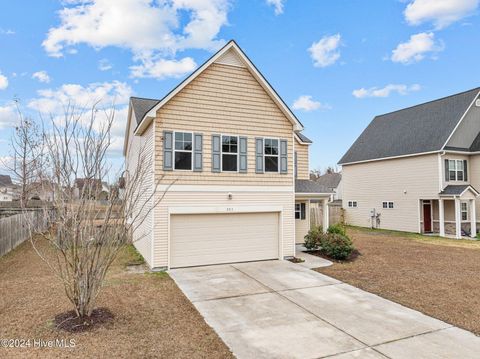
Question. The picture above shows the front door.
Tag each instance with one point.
(427, 217)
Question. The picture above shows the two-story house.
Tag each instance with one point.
(417, 169)
(228, 159)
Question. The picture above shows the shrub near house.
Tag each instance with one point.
(334, 244)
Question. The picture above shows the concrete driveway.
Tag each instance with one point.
(277, 309)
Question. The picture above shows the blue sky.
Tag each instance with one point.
(336, 63)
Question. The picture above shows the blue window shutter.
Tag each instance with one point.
(447, 174)
(167, 150)
(283, 156)
(259, 155)
(197, 152)
(295, 164)
(215, 153)
(242, 153)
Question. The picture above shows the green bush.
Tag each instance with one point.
(313, 237)
(337, 229)
(336, 246)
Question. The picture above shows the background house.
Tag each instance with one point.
(417, 169)
(332, 181)
(91, 188)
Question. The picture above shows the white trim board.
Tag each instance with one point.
(218, 188)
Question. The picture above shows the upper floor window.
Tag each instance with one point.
(352, 204)
(229, 153)
(183, 151)
(271, 155)
(456, 170)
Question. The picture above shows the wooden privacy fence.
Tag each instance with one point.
(14, 229)
(334, 214)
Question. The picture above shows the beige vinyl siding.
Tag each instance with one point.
(224, 100)
(142, 148)
(202, 239)
(302, 160)
(372, 183)
(219, 199)
(302, 225)
(474, 178)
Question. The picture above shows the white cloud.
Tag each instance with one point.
(3, 81)
(306, 103)
(440, 12)
(152, 30)
(417, 48)
(385, 91)
(41, 76)
(8, 115)
(104, 65)
(325, 52)
(6, 32)
(53, 101)
(277, 5)
(163, 68)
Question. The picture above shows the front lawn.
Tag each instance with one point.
(439, 277)
(152, 317)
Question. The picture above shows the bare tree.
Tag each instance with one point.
(87, 234)
(316, 173)
(26, 147)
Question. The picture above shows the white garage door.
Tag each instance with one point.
(201, 239)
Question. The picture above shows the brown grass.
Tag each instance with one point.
(152, 317)
(439, 277)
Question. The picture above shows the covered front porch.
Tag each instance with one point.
(452, 214)
(308, 195)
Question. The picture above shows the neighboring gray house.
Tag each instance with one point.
(332, 181)
(417, 169)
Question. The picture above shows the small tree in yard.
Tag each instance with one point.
(86, 234)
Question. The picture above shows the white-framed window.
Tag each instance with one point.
(271, 151)
(388, 205)
(456, 170)
(229, 153)
(464, 210)
(300, 209)
(352, 204)
(183, 151)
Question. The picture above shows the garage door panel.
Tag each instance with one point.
(200, 239)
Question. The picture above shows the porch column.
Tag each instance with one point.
(441, 217)
(325, 215)
(473, 219)
(458, 222)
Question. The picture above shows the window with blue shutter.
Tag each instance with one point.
(167, 150)
(243, 152)
(216, 153)
(198, 152)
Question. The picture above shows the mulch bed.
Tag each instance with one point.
(353, 256)
(140, 315)
(438, 277)
(72, 323)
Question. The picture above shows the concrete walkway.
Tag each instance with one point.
(277, 309)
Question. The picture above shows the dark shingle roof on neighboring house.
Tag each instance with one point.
(302, 137)
(307, 186)
(455, 190)
(417, 129)
(141, 106)
(5, 181)
(329, 180)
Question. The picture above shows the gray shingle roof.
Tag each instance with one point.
(307, 186)
(303, 137)
(416, 129)
(5, 181)
(455, 190)
(329, 180)
(141, 106)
